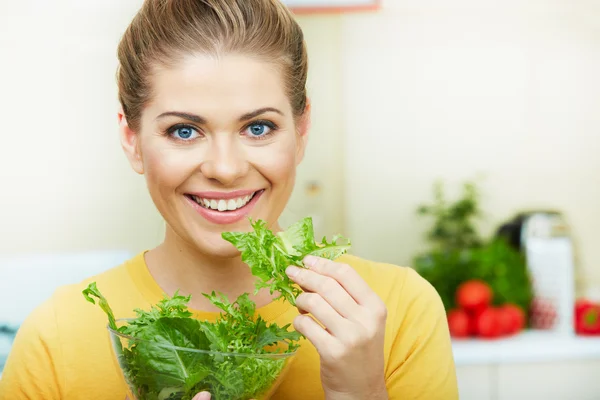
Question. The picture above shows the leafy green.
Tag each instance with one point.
(236, 331)
(91, 292)
(165, 353)
(175, 307)
(269, 254)
(165, 367)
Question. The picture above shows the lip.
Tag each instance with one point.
(225, 217)
(223, 195)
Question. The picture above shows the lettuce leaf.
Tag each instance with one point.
(92, 292)
(269, 254)
(161, 366)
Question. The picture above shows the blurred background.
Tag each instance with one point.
(458, 138)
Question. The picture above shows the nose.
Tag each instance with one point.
(225, 160)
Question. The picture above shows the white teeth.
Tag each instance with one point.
(231, 205)
(224, 205)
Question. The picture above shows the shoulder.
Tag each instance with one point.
(414, 307)
(66, 313)
(71, 323)
(63, 343)
(117, 285)
(68, 299)
(391, 282)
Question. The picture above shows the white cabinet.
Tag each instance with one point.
(531, 366)
(560, 380)
(475, 382)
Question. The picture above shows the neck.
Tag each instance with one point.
(177, 265)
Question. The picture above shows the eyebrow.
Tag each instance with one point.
(201, 120)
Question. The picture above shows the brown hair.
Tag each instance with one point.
(165, 30)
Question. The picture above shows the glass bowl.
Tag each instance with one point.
(156, 371)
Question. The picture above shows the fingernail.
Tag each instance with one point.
(310, 260)
(202, 396)
(292, 271)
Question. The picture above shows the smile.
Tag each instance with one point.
(223, 204)
(224, 208)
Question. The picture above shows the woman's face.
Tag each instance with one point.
(217, 143)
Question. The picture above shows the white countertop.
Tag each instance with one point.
(526, 347)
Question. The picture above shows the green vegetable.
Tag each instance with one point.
(164, 353)
(268, 254)
(92, 290)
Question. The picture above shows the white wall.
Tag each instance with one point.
(65, 182)
(506, 90)
(324, 158)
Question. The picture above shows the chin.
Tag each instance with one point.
(213, 245)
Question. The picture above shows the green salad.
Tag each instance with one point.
(165, 353)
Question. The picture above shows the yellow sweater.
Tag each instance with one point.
(62, 351)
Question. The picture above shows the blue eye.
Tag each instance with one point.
(260, 129)
(183, 132)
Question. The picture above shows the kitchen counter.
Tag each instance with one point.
(526, 347)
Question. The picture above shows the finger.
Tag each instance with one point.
(327, 287)
(324, 313)
(347, 277)
(314, 332)
(202, 396)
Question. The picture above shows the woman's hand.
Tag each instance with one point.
(350, 332)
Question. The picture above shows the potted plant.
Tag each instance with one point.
(458, 255)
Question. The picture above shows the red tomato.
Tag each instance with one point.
(511, 318)
(488, 323)
(458, 322)
(474, 295)
(505, 321)
(473, 318)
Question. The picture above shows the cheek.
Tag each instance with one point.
(279, 165)
(165, 169)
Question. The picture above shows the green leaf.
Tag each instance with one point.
(331, 250)
(272, 334)
(298, 238)
(159, 365)
(175, 307)
(91, 292)
(268, 255)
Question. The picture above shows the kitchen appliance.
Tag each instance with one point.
(544, 238)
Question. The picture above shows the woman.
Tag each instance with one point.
(215, 116)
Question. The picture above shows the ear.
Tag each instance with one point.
(130, 143)
(303, 128)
